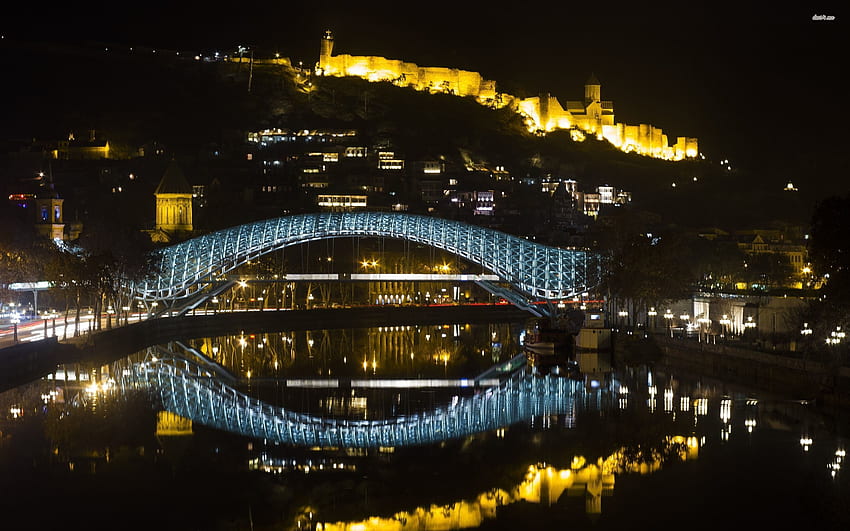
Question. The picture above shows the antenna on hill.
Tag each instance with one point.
(251, 69)
(241, 50)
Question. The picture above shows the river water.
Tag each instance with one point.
(643, 447)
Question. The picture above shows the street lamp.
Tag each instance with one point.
(652, 313)
(668, 317)
(704, 327)
(835, 336)
(724, 323)
(623, 314)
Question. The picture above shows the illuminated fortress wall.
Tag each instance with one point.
(595, 116)
(542, 114)
(430, 78)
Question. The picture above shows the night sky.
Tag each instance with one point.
(758, 84)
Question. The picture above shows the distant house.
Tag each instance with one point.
(73, 149)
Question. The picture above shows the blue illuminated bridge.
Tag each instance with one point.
(192, 392)
(534, 270)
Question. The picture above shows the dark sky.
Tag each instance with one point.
(759, 84)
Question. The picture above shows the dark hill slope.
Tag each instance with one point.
(140, 96)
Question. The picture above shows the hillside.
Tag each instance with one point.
(139, 97)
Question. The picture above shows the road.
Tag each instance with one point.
(41, 328)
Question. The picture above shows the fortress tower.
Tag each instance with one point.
(326, 51)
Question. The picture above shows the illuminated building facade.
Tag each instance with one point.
(341, 202)
(73, 149)
(173, 205)
(50, 221)
(773, 242)
(590, 116)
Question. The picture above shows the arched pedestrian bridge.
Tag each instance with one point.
(191, 391)
(537, 271)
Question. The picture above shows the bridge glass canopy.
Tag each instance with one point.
(538, 271)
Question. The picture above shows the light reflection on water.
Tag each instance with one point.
(548, 471)
(428, 351)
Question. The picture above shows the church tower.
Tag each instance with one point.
(50, 222)
(173, 202)
(592, 90)
(49, 218)
(326, 51)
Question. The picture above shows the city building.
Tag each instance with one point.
(173, 206)
(774, 242)
(73, 149)
(341, 202)
(50, 220)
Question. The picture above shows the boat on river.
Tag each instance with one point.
(547, 345)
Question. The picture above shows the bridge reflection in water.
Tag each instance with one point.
(191, 391)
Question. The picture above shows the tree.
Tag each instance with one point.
(117, 261)
(643, 269)
(767, 270)
(718, 264)
(18, 249)
(829, 247)
(829, 251)
(66, 270)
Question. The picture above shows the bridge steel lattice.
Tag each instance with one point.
(539, 271)
(189, 391)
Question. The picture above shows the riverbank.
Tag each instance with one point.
(777, 374)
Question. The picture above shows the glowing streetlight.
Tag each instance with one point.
(668, 318)
(724, 323)
(835, 336)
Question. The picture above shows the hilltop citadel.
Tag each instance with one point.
(542, 114)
